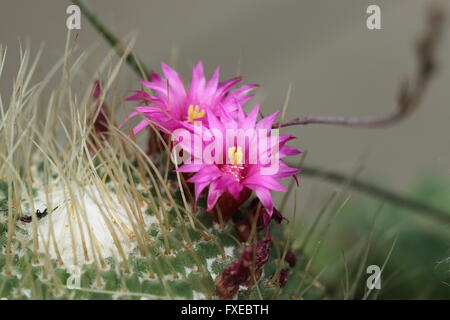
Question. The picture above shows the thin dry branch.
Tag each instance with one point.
(411, 91)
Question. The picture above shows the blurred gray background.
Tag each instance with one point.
(335, 64)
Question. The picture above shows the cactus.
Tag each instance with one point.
(84, 216)
(172, 256)
(174, 260)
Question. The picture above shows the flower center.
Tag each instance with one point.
(236, 168)
(195, 113)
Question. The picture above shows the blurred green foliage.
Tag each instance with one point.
(419, 267)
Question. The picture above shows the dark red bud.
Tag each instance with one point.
(100, 127)
(291, 259)
(282, 280)
(243, 271)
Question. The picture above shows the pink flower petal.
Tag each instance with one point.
(206, 174)
(265, 197)
(266, 181)
(214, 193)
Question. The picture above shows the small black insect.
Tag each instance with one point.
(39, 215)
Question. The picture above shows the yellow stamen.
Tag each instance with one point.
(235, 156)
(194, 113)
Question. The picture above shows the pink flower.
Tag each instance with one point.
(169, 105)
(240, 164)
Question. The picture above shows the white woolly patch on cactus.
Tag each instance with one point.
(198, 295)
(209, 263)
(229, 251)
(84, 227)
